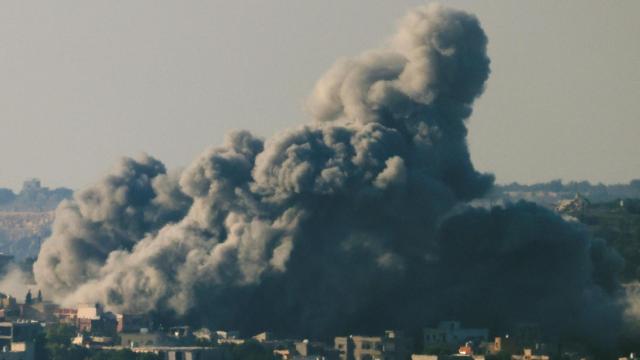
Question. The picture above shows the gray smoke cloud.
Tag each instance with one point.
(354, 222)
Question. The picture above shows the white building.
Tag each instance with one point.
(89, 311)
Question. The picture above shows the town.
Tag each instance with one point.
(38, 329)
(33, 327)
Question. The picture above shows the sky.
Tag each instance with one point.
(85, 83)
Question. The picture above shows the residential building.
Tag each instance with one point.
(356, 347)
(452, 333)
(18, 351)
(18, 332)
(523, 335)
(89, 311)
(66, 315)
(91, 318)
(309, 350)
(393, 345)
(131, 322)
(16, 340)
(529, 355)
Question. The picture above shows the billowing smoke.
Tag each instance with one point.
(354, 222)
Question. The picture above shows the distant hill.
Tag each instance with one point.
(26, 217)
(22, 233)
(610, 212)
(549, 194)
(617, 222)
(33, 197)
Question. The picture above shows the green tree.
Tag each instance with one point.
(58, 344)
(60, 334)
(29, 298)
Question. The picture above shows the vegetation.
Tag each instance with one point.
(595, 192)
(55, 344)
(618, 223)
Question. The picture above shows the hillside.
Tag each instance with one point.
(21, 233)
(617, 222)
(550, 193)
(26, 217)
(32, 198)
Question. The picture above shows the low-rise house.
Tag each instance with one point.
(18, 351)
(92, 341)
(91, 318)
(131, 322)
(310, 350)
(66, 315)
(393, 345)
(18, 332)
(17, 339)
(529, 355)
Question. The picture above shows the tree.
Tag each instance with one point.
(29, 298)
(39, 298)
(56, 345)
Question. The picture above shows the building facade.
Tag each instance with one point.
(392, 346)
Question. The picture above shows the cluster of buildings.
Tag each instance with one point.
(393, 345)
(16, 339)
(96, 328)
(525, 343)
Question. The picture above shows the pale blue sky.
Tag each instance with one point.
(85, 82)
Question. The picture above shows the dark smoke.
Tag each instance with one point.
(354, 222)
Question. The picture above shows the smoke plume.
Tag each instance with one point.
(354, 222)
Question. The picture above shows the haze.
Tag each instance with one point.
(171, 79)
